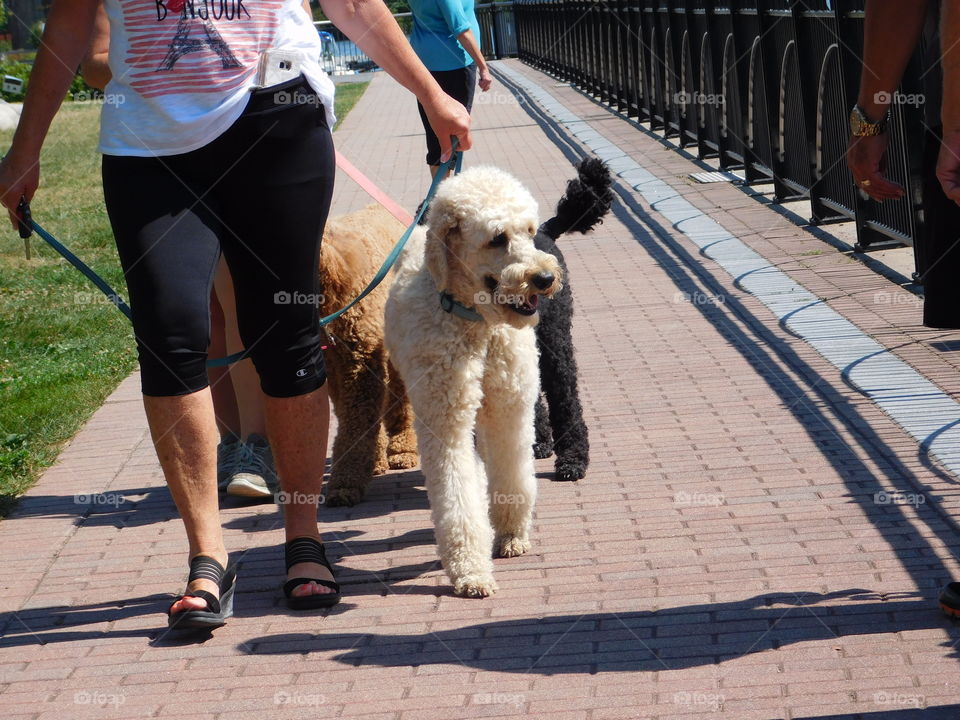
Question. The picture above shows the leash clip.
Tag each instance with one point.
(446, 302)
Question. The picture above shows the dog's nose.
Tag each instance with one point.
(543, 280)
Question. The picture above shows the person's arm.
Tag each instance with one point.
(94, 67)
(459, 23)
(307, 10)
(65, 40)
(371, 26)
(948, 164)
(890, 34)
(470, 44)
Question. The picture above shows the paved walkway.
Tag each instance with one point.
(757, 536)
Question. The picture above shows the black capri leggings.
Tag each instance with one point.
(460, 84)
(261, 191)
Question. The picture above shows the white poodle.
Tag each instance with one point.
(460, 330)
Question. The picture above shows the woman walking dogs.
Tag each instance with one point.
(217, 136)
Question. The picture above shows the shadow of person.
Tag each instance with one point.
(260, 573)
(54, 624)
(667, 639)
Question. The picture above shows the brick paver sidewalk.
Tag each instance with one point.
(726, 555)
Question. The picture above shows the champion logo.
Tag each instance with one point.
(302, 372)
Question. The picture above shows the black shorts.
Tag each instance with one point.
(261, 192)
(460, 84)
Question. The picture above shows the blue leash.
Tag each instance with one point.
(27, 225)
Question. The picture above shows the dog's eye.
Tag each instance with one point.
(499, 241)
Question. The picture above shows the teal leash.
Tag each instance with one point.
(27, 225)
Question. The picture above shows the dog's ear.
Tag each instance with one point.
(441, 225)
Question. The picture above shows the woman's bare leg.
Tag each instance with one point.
(184, 433)
(297, 428)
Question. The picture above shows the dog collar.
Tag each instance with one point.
(448, 304)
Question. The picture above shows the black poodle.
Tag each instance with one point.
(559, 420)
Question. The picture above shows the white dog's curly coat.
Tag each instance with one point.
(474, 379)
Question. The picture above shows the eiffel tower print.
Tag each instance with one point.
(182, 44)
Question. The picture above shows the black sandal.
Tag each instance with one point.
(302, 550)
(950, 600)
(203, 567)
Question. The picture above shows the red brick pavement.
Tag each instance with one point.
(723, 557)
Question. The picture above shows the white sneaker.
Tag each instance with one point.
(254, 473)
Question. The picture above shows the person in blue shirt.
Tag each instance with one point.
(444, 37)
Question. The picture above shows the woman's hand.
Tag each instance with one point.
(867, 160)
(19, 178)
(448, 118)
(486, 80)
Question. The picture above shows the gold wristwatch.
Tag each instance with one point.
(860, 126)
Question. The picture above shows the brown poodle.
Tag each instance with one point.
(375, 422)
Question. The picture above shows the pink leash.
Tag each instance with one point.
(373, 191)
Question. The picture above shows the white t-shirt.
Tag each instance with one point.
(183, 69)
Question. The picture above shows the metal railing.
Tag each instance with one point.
(497, 39)
(764, 86)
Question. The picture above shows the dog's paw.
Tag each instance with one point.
(511, 546)
(343, 496)
(381, 467)
(404, 461)
(475, 586)
(569, 471)
(542, 450)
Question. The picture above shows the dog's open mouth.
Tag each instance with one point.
(526, 305)
(520, 304)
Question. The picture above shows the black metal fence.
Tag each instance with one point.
(498, 37)
(764, 86)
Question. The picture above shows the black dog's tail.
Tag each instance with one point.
(586, 201)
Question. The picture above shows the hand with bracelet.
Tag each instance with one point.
(891, 31)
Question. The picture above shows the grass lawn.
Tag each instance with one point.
(63, 349)
(346, 97)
